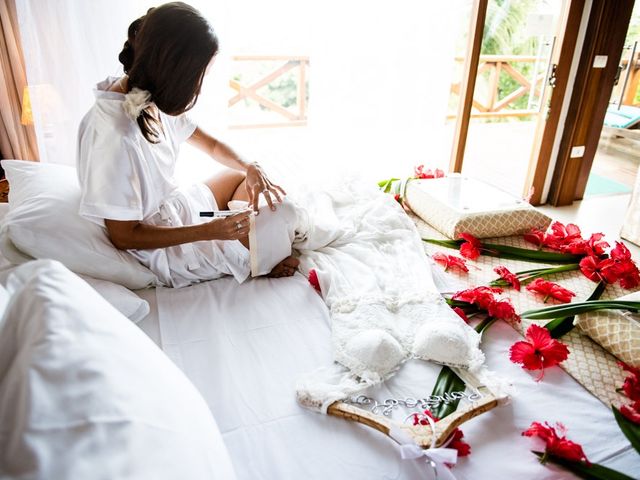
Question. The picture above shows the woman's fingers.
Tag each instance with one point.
(255, 198)
(267, 195)
(237, 225)
(275, 193)
(242, 215)
(279, 188)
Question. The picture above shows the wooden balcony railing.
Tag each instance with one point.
(297, 117)
(492, 105)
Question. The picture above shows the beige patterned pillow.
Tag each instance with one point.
(457, 204)
(616, 331)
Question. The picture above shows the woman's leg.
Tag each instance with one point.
(230, 185)
(227, 185)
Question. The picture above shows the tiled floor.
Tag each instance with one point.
(617, 158)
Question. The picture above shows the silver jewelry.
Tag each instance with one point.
(238, 225)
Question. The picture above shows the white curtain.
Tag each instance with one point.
(379, 79)
(69, 46)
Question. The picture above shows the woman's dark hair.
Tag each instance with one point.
(167, 53)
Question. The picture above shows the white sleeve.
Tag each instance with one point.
(111, 186)
(183, 127)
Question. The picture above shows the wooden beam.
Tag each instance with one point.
(605, 35)
(545, 137)
(260, 83)
(470, 72)
(513, 96)
(302, 90)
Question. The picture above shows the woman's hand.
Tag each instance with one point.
(233, 227)
(132, 234)
(257, 183)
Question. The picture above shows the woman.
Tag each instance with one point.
(128, 146)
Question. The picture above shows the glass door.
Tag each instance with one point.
(509, 98)
(616, 161)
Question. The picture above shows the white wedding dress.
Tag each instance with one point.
(377, 283)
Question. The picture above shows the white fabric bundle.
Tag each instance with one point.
(376, 280)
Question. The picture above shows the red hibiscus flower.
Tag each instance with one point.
(461, 314)
(596, 245)
(628, 274)
(535, 236)
(470, 248)
(626, 268)
(450, 261)
(503, 310)
(420, 172)
(597, 270)
(631, 386)
(508, 277)
(620, 253)
(418, 420)
(482, 297)
(556, 445)
(550, 289)
(539, 351)
(631, 412)
(561, 235)
(458, 444)
(313, 280)
(455, 440)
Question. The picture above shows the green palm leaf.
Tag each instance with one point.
(630, 429)
(511, 253)
(581, 469)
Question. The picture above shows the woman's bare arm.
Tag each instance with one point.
(126, 235)
(219, 151)
(257, 181)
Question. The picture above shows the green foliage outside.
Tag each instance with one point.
(283, 90)
(633, 34)
(504, 34)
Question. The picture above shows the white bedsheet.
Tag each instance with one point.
(244, 347)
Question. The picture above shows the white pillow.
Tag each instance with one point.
(85, 394)
(43, 222)
(4, 301)
(124, 300)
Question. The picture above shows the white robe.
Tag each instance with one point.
(125, 177)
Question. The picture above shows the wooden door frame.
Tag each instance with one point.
(468, 84)
(544, 141)
(605, 35)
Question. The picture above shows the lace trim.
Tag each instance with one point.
(393, 303)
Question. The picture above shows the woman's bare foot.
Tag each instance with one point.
(285, 268)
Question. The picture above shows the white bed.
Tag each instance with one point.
(244, 346)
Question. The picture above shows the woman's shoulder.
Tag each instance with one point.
(107, 121)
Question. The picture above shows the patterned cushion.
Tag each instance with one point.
(456, 204)
(616, 331)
